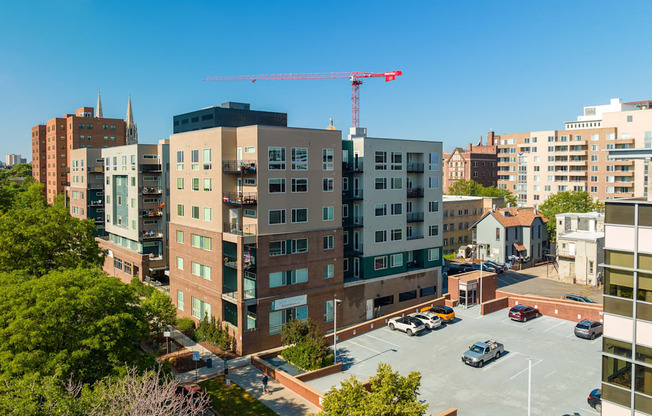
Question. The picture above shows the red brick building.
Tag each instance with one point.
(479, 163)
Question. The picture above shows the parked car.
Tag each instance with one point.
(500, 268)
(481, 352)
(577, 298)
(191, 391)
(429, 319)
(446, 313)
(595, 400)
(456, 268)
(523, 313)
(588, 329)
(485, 267)
(407, 324)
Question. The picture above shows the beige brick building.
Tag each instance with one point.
(460, 213)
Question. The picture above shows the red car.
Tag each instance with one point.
(523, 313)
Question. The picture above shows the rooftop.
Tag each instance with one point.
(590, 215)
(514, 216)
(581, 235)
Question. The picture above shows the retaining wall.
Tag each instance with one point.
(558, 308)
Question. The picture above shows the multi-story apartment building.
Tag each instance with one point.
(460, 213)
(271, 245)
(14, 159)
(478, 163)
(537, 164)
(87, 186)
(580, 243)
(392, 217)
(229, 114)
(52, 143)
(136, 189)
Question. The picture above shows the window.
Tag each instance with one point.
(299, 185)
(345, 211)
(195, 184)
(396, 260)
(630, 119)
(497, 233)
(194, 158)
(180, 209)
(278, 318)
(250, 149)
(328, 311)
(434, 160)
(381, 236)
(180, 263)
(327, 159)
(433, 206)
(380, 210)
(381, 183)
(381, 161)
(397, 161)
(299, 158)
(195, 212)
(397, 208)
(433, 254)
(208, 159)
(299, 215)
(208, 184)
(345, 184)
(276, 158)
(397, 183)
(329, 271)
(276, 185)
(199, 241)
(179, 183)
(397, 234)
(208, 214)
(433, 182)
(329, 242)
(289, 277)
(299, 245)
(250, 181)
(180, 237)
(327, 213)
(179, 299)
(276, 248)
(201, 270)
(433, 230)
(328, 184)
(200, 309)
(276, 216)
(380, 263)
(404, 296)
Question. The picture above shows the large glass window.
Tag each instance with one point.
(276, 248)
(615, 347)
(276, 185)
(327, 159)
(619, 283)
(278, 318)
(328, 311)
(299, 215)
(299, 185)
(201, 309)
(619, 214)
(300, 245)
(276, 158)
(276, 216)
(299, 158)
(179, 299)
(616, 372)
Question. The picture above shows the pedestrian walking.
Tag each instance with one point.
(599, 280)
(265, 380)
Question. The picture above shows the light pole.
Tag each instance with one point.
(335, 302)
(529, 385)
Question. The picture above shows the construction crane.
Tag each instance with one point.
(354, 77)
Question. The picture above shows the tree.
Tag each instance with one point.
(39, 238)
(160, 312)
(390, 394)
(308, 348)
(567, 201)
(472, 188)
(76, 323)
(37, 396)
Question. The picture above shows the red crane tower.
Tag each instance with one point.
(354, 77)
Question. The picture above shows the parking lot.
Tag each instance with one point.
(564, 368)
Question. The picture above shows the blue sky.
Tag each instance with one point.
(469, 66)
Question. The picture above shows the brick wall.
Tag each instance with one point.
(494, 305)
(558, 308)
(450, 412)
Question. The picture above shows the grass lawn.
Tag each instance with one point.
(239, 401)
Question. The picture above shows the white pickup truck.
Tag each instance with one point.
(481, 352)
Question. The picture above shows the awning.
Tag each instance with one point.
(520, 247)
(157, 269)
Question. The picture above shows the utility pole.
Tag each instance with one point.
(335, 302)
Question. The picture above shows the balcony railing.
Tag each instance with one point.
(350, 251)
(352, 167)
(96, 203)
(239, 166)
(233, 293)
(415, 217)
(149, 168)
(414, 237)
(95, 185)
(151, 235)
(356, 194)
(240, 198)
(415, 192)
(352, 222)
(151, 214)
(150, 190)
(414, 265)
(415, 168)
(247, 229)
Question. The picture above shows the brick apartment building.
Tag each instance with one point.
(86, 190)
(460, 213)
(479, 163)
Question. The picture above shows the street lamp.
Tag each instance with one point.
(481, 246)
(529, 385)
(336, 301)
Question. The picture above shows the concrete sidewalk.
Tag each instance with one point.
(281, 399)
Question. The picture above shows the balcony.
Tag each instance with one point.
(95, 186)
(149, 168)
(151, 235)
(247, 229)
(354, 195)
(415, 192)
(249, 265)
(240, 198)
(350, 251)
(415, 168)
(151, 214)
(414, 237)
(352, 167)
(622, 173)
(232, 294)
(150, 190)
(415, 217)
(239, 166)
(96, 203)
(98, 169)
(414, 265)
(352, 222)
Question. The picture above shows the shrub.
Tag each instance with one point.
(310, 350)
(212, 329)
(187, 326)
(141, 289)
(295, 331)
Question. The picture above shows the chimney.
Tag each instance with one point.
(490, 139)
(470, 147)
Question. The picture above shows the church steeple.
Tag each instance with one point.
(132, 128)
(98, 109)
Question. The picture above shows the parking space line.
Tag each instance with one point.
(379, 339)
(500, 360)
(524, 370)
(550, 373)
(362, 346)
(554, 326)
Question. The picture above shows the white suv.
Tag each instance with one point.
(429, 319)
(406, 324)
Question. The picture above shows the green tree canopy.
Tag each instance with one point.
(567, 201)
(79, 322)
(36, 237)
(472, 188)
(391, 395)
(159, 310)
